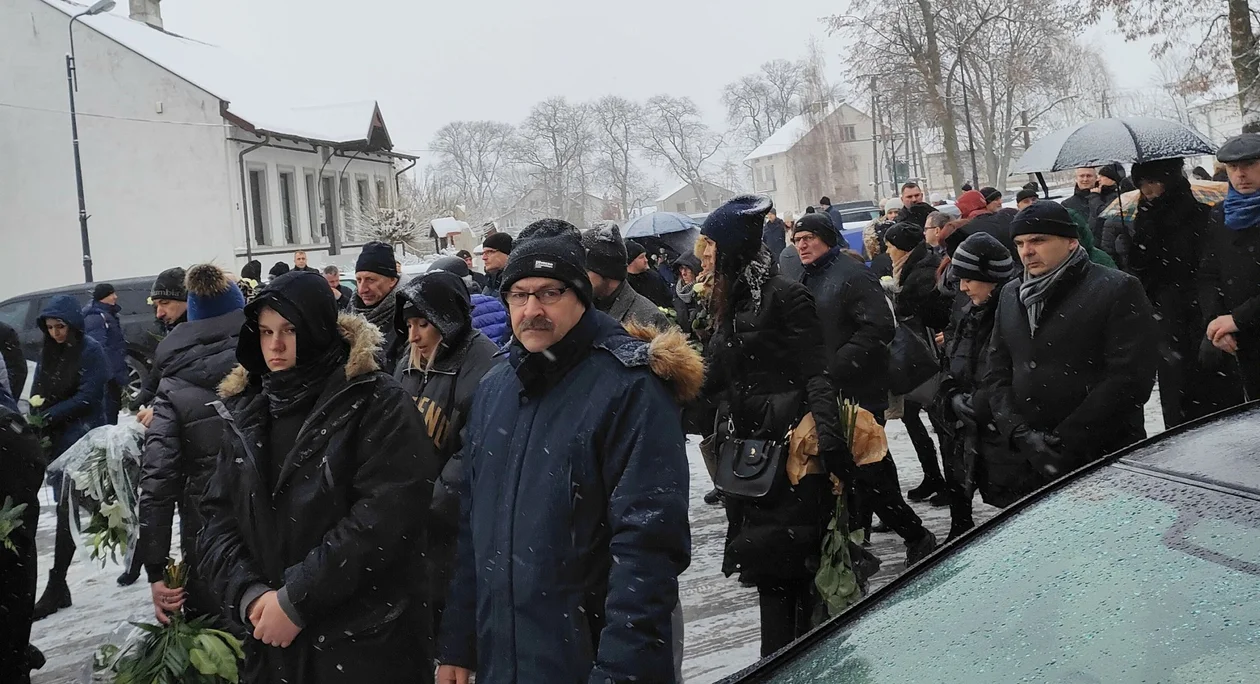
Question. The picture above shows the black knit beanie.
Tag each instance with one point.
(549, 248)
(819, 224)
(606, 253)
(905, 236)
(1044, 217)
(101, 291)
(991, 194)
(501, 242)
(377, 257)
(170, 285)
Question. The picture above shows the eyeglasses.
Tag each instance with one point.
(546, 296)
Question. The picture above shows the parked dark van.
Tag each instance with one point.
(140, 328)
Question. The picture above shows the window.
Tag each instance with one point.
(681, 207)
(382, 193)
(848, 133)
(288, 208)
(345, 201)
(14, 314)
(328, 215)
(768, 178)
(258, 204)
(365, 198)
(312, 208)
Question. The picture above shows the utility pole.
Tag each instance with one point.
(962, 76)
(875, 139)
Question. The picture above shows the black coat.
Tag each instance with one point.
(998, 225)
(767, 369)
(857, 326)
(651, 285)
(919, 301)
(1229, 283)
(341, 535)
(182, 444)
(1087, 373)
(774, 235)
(1169, 237)
(14, 359)
(443, 396)
(22, 465)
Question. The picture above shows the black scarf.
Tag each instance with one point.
(543, 370)
(381, 315)
(59, 369)
(298, 387)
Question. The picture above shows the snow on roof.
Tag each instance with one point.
(683, 186)
(252, 96)
(791, 133)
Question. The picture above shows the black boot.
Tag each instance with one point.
(920, 548)
(958, 529)
(56, 596)
(941, 499)
(713, 498)
(929, 487)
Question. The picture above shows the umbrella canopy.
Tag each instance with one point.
(1128, 140)
(658, 223)
(1211, 193)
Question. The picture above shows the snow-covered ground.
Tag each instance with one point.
(722, 634)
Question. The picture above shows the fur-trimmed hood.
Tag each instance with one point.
(672, 359)
(363, 337)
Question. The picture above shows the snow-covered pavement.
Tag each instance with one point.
(721, 616)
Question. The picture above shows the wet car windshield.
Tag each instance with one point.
(1119, 577)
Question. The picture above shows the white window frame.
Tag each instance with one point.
(259, 204)
(292, 233)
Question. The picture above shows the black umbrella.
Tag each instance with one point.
(1128, 140)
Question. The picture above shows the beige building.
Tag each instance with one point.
(683, 199)
(825, 151)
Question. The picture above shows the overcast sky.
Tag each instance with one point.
(435, 61)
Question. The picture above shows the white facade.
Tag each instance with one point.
(683, 200)
(159, 156)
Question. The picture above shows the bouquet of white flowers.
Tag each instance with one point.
(104, 468)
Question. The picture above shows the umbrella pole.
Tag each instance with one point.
(1045, 189)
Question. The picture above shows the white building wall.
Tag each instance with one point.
(155, 187)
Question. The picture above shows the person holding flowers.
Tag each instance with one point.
(68, 399)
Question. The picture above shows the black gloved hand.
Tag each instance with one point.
(961, 405)
(1044, 450)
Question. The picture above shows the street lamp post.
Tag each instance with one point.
(72, 80)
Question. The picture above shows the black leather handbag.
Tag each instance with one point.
(751, 469)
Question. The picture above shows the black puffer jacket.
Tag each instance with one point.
(1229, 283)
(182, 443)
(998, 225)
(919, 301)
(767, 369)
(857, 326)
(342, 532)
(443, 395)
(1087, 373)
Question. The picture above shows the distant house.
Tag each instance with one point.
(189, 153)
(683, 198)
(825, 151)
(580, 210)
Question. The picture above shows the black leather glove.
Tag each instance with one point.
(1043, 450)
(960, 404)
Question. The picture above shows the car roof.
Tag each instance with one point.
(1215, 452)
(118, 283)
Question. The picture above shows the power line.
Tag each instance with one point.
(116, 118)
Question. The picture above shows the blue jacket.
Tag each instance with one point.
(70, 419)
(574, 522)
(100, 322)
(489, 316)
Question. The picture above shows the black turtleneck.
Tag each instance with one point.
(540, 371)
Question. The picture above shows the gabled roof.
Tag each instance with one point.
(794, 131)
(683, 186)
(251, 99)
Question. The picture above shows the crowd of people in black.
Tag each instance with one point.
(487, 474)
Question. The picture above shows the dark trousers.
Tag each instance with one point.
(21, 474)
(924, 447)
(787, 610)
(877, 490)
(63, 551)
(113, 402)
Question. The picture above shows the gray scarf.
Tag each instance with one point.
(756, 273)
(381, 315)
(684, 291)
(1035, 290)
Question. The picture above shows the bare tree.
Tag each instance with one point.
(473, 153)
(1219, 37)
(618, 133)
(553, 143)
(675, 136)
(407, 224)
(759, 104)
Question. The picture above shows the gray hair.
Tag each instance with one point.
(332, 270)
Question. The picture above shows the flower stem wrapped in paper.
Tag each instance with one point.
(101, 472)
(838, 585)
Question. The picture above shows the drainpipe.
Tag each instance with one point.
(405, 169)
(240, 163)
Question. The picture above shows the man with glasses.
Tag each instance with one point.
(574, 502)
(494, 254)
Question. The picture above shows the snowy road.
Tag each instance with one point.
(721, 616)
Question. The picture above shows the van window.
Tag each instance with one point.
(15, 314)
(134, 302)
